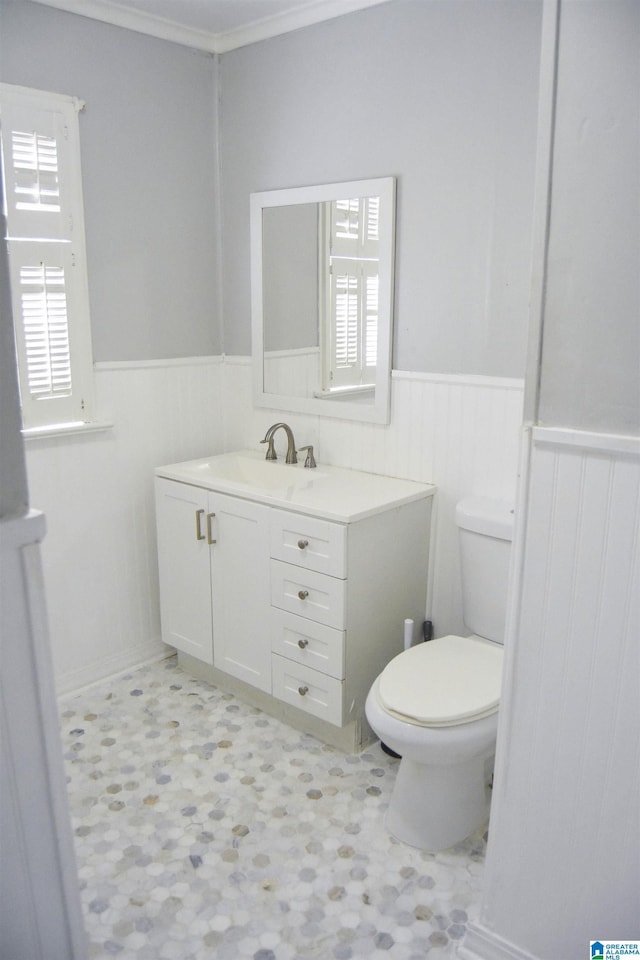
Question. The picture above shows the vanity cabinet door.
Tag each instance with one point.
(213, 559)
(183, 564)
(240, 589)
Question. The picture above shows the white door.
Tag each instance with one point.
(183, 523)
(240, 589)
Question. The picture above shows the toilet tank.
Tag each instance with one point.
(486, 532)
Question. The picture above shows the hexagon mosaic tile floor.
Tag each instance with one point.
(205, 828)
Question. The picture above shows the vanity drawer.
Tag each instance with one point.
(307, 689)
(310, 543)
(307, 642)
(308, 594)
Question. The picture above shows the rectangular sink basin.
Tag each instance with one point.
(332, 493)
(245, 471)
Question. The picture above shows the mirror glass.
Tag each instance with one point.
(322, 298)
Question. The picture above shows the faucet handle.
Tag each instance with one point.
(310, 460)
(271, 450)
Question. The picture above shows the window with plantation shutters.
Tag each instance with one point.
(45, 238)
(352, 237)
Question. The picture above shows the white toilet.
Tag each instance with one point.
(436, 704)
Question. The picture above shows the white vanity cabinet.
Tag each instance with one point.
(292, 596)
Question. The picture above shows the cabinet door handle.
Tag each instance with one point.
(303, 594)
(210, 539)
(302, 544)
(303, 643)
(199, 534)
(303, 691)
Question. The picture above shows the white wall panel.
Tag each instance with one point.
(40, 912)
(572, 711)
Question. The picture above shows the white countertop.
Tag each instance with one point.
(331, 493)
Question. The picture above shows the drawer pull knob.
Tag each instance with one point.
(303, 594)
(302, 544)
(303, 643)
(303, 691)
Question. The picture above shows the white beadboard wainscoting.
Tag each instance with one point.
(293, 373)
(99, 556)
(570, 712)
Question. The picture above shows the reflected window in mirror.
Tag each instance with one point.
(349, 265)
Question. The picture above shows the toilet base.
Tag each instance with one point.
(434, 807)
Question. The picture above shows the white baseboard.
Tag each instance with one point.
(483, 944)
(75, 681)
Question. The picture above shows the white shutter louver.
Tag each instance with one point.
(371, 322)
(46, 330)
(346, 323)
(38, 168)
(347, 216)
(35, 171)
(373, 218)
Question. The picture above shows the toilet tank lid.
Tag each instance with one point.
(493, 518)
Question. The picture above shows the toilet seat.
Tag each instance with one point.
(443, 682)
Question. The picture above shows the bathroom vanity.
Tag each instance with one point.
(289, 586)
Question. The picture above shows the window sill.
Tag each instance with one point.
(345, 391)
(66, 429)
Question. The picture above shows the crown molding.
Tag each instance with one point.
(110, 11)
(119, 16)
(316, 11)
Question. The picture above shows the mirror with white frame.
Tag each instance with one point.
(322, 298)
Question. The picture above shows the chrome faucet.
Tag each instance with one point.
(310, 460)
(291, 444)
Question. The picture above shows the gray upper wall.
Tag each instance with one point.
(147, 138)
(590, 376)
(441, 95)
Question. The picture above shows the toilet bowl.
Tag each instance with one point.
(441, 793)
(436, 704)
